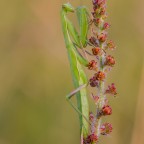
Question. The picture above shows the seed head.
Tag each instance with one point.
(102, 11)
(94, 82)
(91, 138)
(111, 89)
(110, 61)
(106, 110)
(106, 128)
(106, 26)
(100, 76)
(99, 2)
(102, 37)
(97, 21)
(110, 45)
(92, 65)
(96, 51)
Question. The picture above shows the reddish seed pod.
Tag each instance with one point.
(102, 37)
(106, 128)
(106, 26)
(111, 89)
(102, 11)
(96, 51)
(97, 11)
(94, 137)
(99, 2)
(94, 2)
(100, 76)
(92, 65)
(106, 110)
(97, 21)
(111, 45)
(93, 82)
(94, 8)
(110, 61)
(91, 138)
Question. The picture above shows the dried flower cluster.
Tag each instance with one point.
(101, 66)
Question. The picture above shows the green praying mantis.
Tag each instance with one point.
(75, 41)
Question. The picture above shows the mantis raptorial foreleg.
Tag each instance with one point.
(72, 41)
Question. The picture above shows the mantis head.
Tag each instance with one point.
(68, 7)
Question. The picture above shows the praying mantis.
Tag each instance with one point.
(73, 41)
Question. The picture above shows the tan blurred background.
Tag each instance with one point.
(35, 74)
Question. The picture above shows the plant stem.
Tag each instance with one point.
(101, 101)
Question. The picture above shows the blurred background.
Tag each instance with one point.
(35, 74)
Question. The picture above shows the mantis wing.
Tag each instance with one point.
(82, 15)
